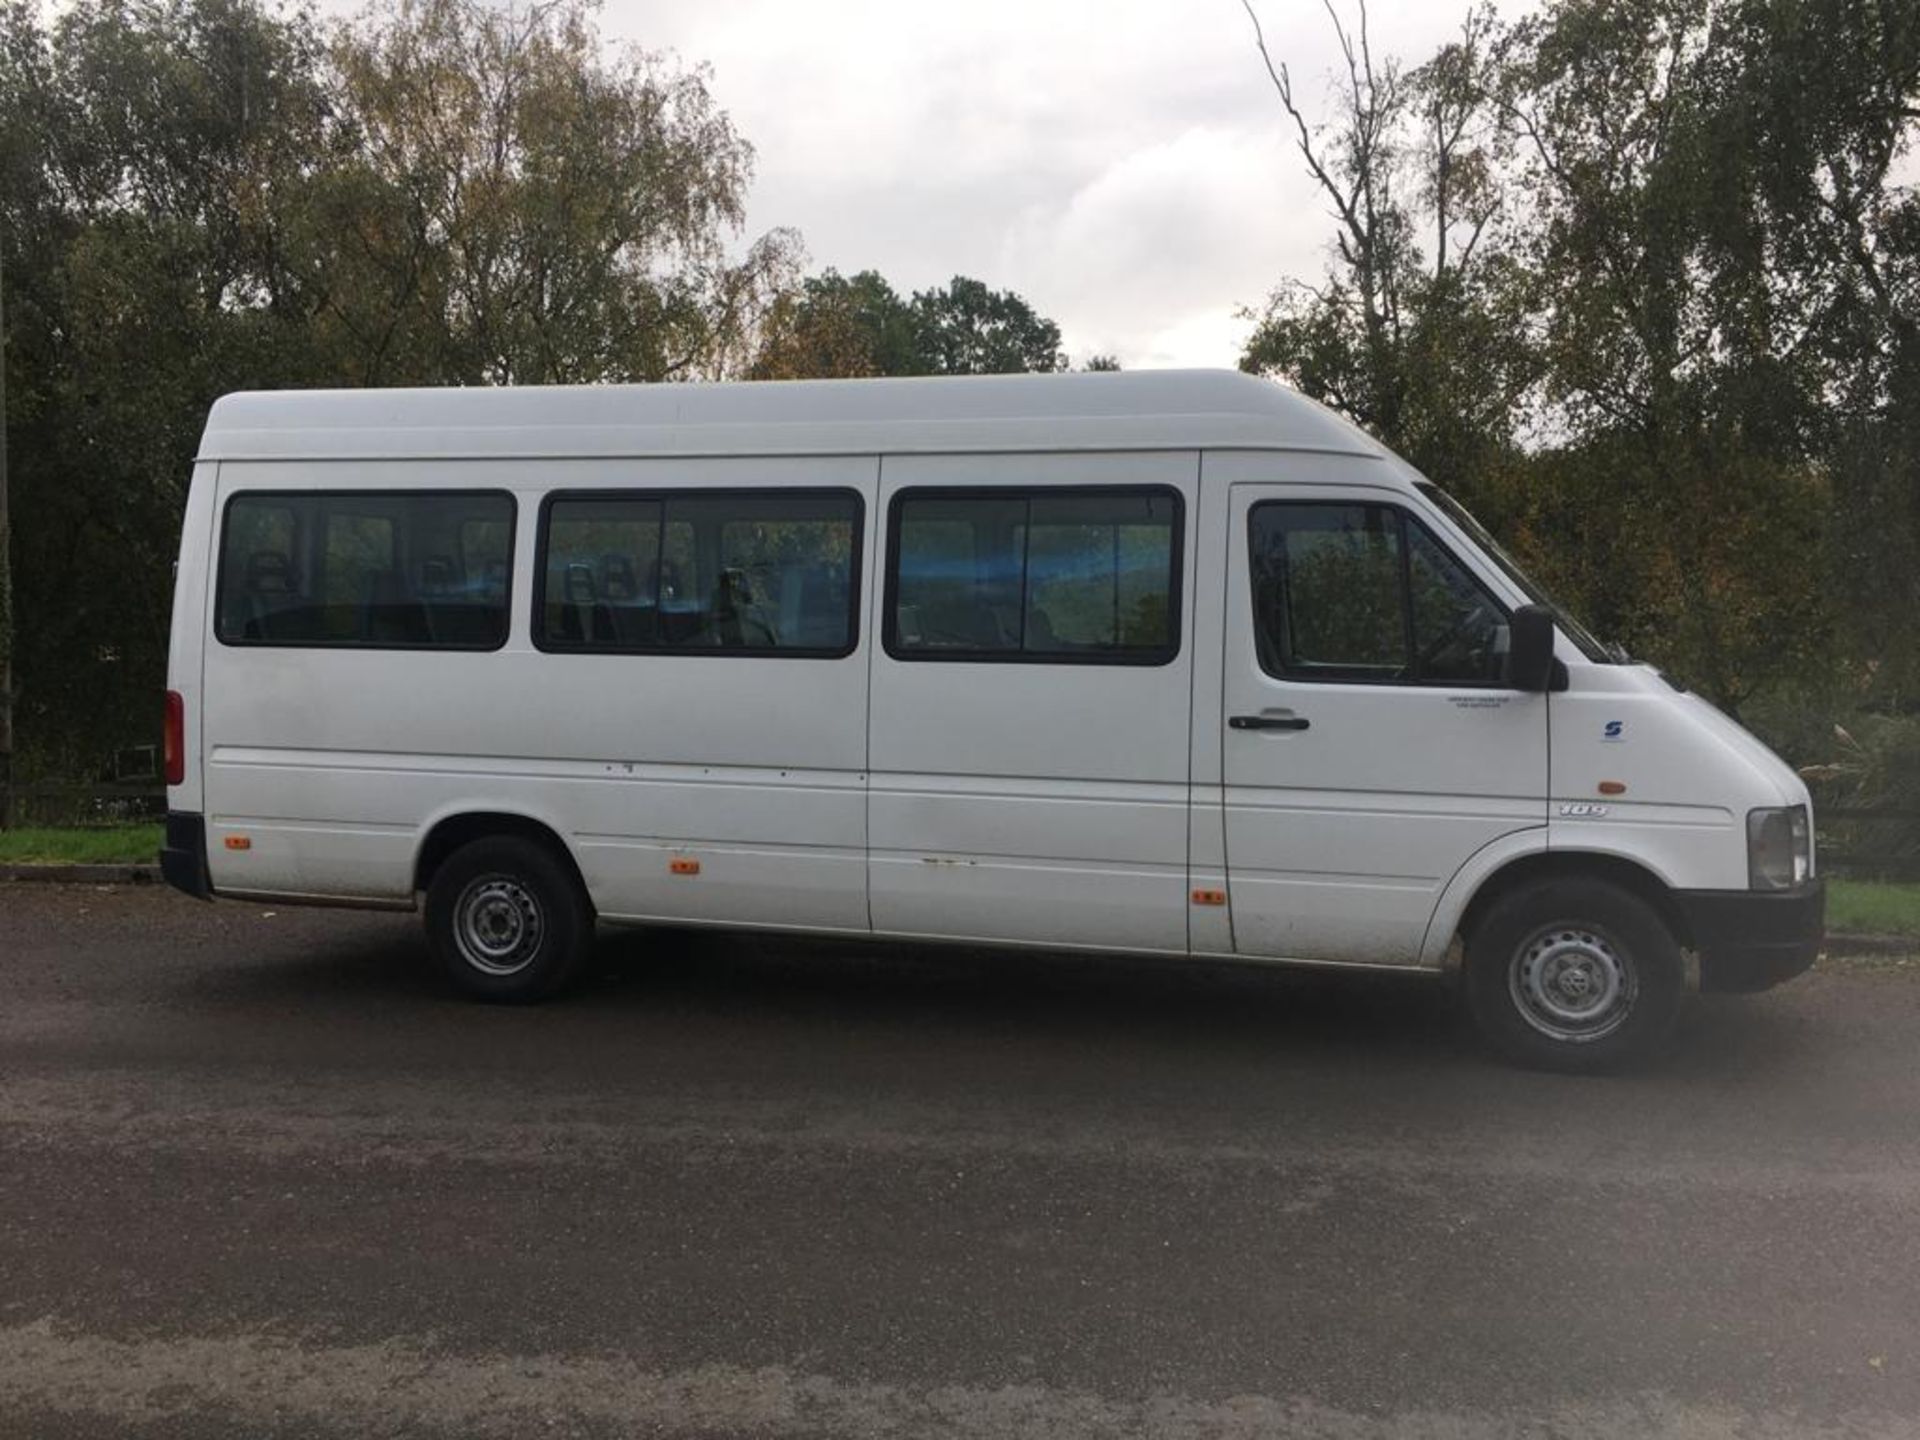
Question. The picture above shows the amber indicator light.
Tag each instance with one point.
(683, 866)
(1612, 787)
(239, 842)
(1209, 897)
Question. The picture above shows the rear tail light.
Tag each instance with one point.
(174, 745)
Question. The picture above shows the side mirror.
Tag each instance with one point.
(1530, 663)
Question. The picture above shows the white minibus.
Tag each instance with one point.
(1171, 663)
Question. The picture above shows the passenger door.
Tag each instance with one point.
(1030, 712)
(1370, 745)
(698, 629)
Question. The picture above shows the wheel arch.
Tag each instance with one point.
(448, 832)
(1513, 872)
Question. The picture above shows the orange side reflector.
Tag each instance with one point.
(1209, 897)
(1612, 787)
(239, 842)
(682, 866)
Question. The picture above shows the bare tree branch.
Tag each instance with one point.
(1283, 86)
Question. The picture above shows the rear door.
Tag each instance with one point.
(1030, 699)
(1370, 745)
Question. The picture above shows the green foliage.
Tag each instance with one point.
(1420, 331)
(835, 326)
(199, 196)
(1634, 278)
(968, 329)
(140, 142)
(1871, 763)
(514, 202)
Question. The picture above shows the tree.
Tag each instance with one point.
(522, 204)
(1419, 331)
(1673, 345)
(1632, 276)
(967, 329)
(1820, 104)
(199, 196)
(836, 326)
(145, 144)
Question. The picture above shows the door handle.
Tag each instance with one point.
(1267, 722)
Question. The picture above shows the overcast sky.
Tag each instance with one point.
(1121, 163)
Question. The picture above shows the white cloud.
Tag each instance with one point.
(1123, 164)
(1201, 337)
(1167, 241)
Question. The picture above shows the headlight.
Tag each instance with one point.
(1779, 848)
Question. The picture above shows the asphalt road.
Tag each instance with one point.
(260, 1174)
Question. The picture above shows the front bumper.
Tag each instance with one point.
(183, 858)
(1753, 939)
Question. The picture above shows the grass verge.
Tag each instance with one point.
(1873, 907)
(111, 845)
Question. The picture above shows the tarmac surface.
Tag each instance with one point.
(262, 1174)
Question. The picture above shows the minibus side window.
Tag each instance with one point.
(1098, 577)
(958, 565)
(1365, 594)
(700, 572)
(359, 550)
(1056, 576)
(1459, 629)
(1326, 583)
(366, 569)
(256, 567)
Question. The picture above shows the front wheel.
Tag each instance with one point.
(507, 920)
(1574, 975)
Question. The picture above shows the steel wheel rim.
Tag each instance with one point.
(1572, 983)
(498, 925)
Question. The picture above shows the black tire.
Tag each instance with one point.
(507, 920)
(1574, 975)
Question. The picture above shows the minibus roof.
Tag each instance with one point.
(1137, 410)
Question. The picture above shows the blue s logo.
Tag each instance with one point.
(1615, 730)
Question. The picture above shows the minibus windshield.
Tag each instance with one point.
(1590, 646)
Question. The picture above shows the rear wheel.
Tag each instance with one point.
(507, 920)
(1574, 975)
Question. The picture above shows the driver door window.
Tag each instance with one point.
(1365, 594)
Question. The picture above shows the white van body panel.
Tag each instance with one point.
(1034, 801)
(1210, 924)
(1144, 410)
(186, 635)
(1341, 837)
(1093, 805)
(334, 763)
(1467, 882)
(1691, 775)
